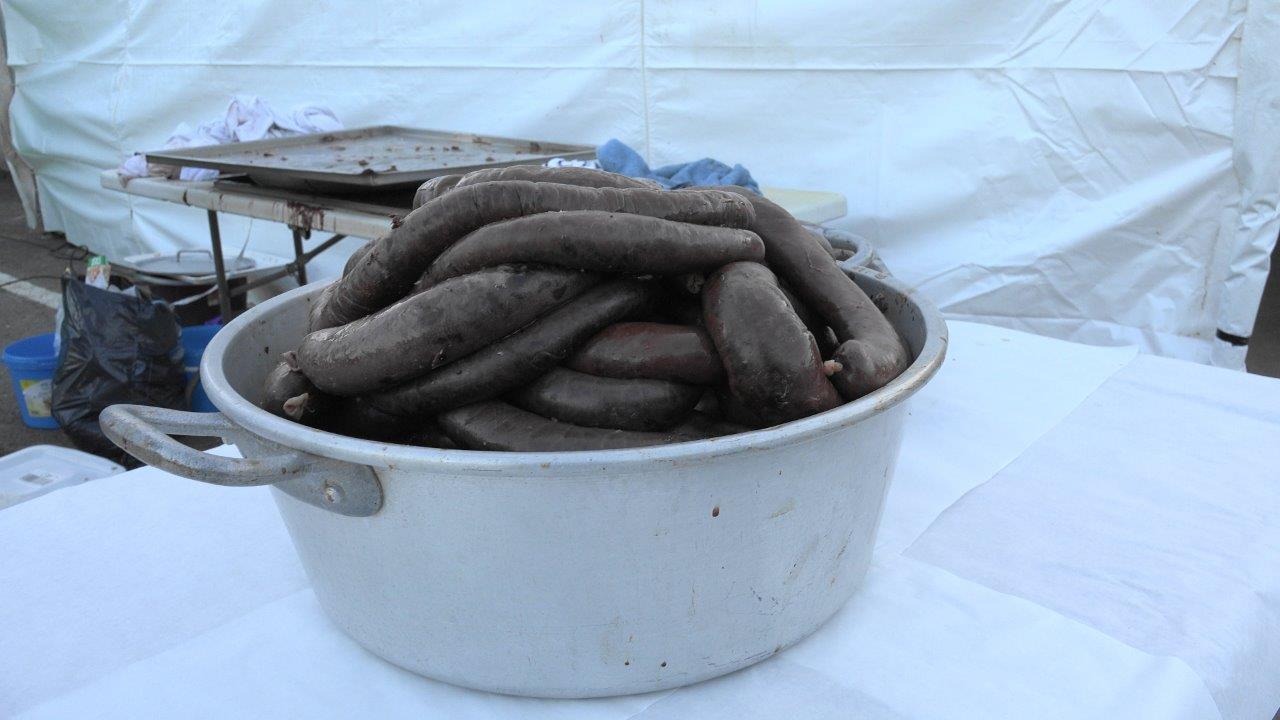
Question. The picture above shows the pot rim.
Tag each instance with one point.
(254, 419)
(863, 251)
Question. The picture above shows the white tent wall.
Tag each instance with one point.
(97, 82)
(1074, 168)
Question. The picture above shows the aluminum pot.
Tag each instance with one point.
(575, 574)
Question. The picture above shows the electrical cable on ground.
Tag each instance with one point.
(30, 277)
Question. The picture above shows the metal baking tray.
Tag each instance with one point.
(394, 201)
(368, 158)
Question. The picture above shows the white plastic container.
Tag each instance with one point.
(39, 469)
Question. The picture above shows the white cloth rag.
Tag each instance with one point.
(565, 162)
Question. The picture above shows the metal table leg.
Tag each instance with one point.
(219, 268)
(288, 269)
(299, 258)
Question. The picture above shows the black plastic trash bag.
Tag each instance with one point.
(116, 348)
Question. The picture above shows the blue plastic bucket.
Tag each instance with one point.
(31, 362)
(194, 341)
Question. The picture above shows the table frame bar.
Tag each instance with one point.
(297, 267)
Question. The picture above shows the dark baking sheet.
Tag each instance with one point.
(395, 201)
(365, 159)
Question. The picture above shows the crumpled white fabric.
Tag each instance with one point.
(569, 162)
(308, 119)
(248, 117)
(1149, 514)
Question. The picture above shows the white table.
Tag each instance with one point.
(808, 205)
(1073, 532)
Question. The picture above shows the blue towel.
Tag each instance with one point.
(615, 156)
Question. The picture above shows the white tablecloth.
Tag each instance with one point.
(1073, 532)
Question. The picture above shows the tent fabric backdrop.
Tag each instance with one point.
(1107, 172)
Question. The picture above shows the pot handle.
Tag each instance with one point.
(144, 432)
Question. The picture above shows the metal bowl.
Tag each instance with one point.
(572, 574)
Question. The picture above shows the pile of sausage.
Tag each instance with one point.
(535, 309)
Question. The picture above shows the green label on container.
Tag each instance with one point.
(98, 272)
